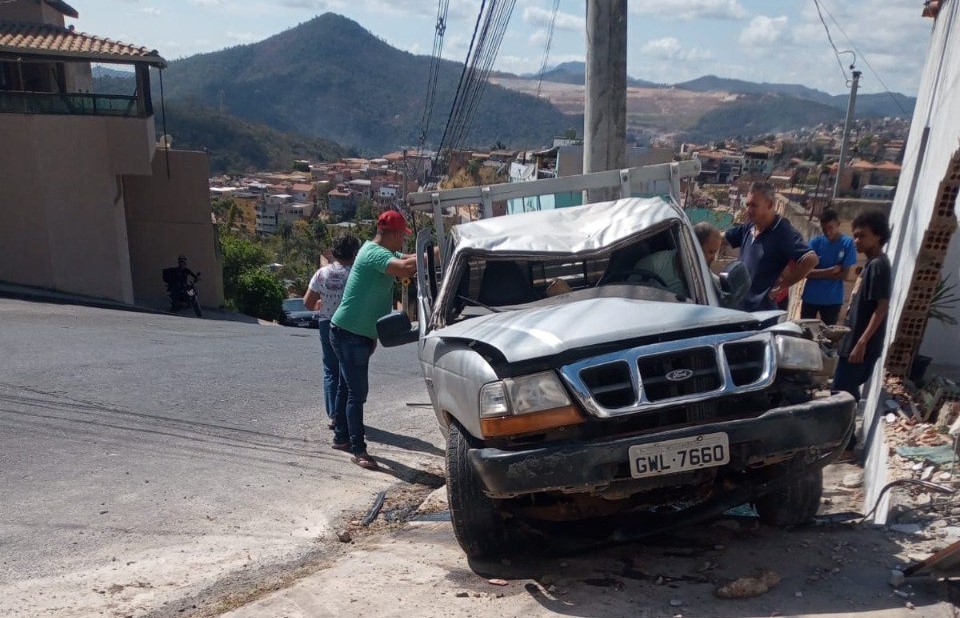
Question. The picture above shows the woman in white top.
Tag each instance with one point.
(323, 295)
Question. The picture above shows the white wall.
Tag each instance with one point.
(925, 162)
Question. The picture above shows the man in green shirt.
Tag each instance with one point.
(367, 297)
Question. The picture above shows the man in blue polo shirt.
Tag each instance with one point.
(823, 291)
(767, 243)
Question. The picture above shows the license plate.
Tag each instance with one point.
(681, 455)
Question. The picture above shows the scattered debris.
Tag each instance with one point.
(798, 594)
(344, 536)
(852, 480)
(897, 578)
(675, 602)
(374, 509)
(462, 595)
(902, 594)
(748, 587)
(945, 561)
(906, 528)
(498, 582)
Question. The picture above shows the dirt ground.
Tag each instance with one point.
(836, 567)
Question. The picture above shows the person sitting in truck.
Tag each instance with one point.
(667, 268)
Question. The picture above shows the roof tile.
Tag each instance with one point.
(52, 40)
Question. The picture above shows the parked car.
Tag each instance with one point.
(583, 363)
(295, 313)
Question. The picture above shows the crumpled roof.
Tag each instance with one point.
(576, 229)
(53, 40)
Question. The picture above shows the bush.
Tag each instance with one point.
(260, 294)
(239, 255)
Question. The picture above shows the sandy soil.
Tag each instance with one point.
(824, 569)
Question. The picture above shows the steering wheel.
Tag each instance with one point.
(645, 274)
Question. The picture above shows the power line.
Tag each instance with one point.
(866, 61)
(546, 48)
(463, 74)
(836, 52)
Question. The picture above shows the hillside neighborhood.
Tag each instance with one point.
(576, 316)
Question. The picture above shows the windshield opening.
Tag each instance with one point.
(649, 268)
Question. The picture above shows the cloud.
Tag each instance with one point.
(690, 9)
(542, 17)
(149, 10)
(763, 31)
(538, 38)
(669, 48)
(208, 3)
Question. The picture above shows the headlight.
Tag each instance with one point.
(534, 393)
(797, 353)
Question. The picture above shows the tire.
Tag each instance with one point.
(795, 504)
(196, 307)
(477, 523)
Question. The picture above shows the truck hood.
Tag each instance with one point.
(529, 334)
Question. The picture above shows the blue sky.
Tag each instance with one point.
(669, 40)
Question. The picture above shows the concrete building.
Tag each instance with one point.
(267, 217)
(85, 205)
(759, 159)
(877, 192)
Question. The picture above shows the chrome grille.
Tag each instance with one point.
(611, 384)
(699, 369)
(745, 361)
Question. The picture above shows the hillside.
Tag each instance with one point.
(234, 145)
(329, 77)
(760, 114)
(575, 73)
(867, 104)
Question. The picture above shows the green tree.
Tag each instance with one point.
(260, 294)
(239, 256)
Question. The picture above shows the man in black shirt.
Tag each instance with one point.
(867, 316)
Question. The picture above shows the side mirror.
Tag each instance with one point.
(734, 284)
(396, 329)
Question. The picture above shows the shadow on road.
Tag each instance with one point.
(414, 476)
(407, 443)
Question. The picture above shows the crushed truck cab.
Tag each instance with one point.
(584, 362)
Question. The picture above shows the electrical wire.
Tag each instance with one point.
(490, 27)
(865, 60)
(463, 75)
(836, 52)
(546, 48)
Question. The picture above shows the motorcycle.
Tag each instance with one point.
(183, 295)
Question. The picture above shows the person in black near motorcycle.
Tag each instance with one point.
(180, 286)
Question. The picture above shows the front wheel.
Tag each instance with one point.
(477, 523)
(196, 306)
(795, 504)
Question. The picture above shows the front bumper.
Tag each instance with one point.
(821, 427)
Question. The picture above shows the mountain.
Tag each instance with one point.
(236, 145)
(330, 77)
(233, 145)
(101, 71)
(868, 105)
(761, 114)
(575, 73)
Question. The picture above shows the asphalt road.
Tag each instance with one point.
(149, 459)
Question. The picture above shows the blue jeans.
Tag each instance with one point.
(850, 377)
(331, 370)
(353, 353)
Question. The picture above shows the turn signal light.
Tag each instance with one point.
(512, 425)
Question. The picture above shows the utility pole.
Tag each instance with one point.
(605, 110)
(854, 84)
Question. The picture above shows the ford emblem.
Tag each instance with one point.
(679, 375)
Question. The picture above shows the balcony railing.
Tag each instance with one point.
(12, 102)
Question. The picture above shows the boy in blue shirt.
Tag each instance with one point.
(823, 291)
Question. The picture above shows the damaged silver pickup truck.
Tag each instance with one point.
(583, 363)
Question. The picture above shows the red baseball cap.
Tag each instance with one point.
(393, 221)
